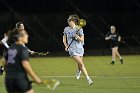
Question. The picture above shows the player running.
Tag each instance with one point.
(114, 38)
(17, 65)
(76, 49)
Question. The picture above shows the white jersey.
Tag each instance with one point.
(76, 47)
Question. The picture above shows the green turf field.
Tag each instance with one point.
(107, 78)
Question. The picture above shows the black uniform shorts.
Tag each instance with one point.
(19, 84)
(115, 44)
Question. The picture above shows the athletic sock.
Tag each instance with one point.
(87, 77)
(113, 59)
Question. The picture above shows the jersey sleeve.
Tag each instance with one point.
(24, 54)
(81, 33)
(65, 29)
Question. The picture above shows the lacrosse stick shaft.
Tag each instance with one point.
(72, 40)
(41, 53)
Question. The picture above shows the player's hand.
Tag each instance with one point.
(38, 80)
(32, 52)
(76, 36)
(66, 49)
(119, 39)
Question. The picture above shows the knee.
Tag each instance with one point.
(81, 65)
(30, 91)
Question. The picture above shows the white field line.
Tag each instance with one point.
(92, 77)
(136, 86)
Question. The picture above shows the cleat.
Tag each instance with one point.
(90, 82)
(78, 74)
(121, 61)
(112, 63)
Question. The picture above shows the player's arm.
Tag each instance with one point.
(30, 51)
(65, 42)
(80, 38)
(4, 41)
(119, 38)
(80, 35)
(107, 37)
(30, 72)
(27, 67)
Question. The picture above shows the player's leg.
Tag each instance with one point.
(23, 84)
(78, 72)
(118, 54)
(30, 91)
(82, 68)
(81, 65)
(78, 68)
(113, 56)
(9, 84)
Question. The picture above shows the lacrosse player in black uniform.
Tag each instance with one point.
(7, 42)
(114, 38)
(17, 65)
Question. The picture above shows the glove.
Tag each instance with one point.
(74, 38)
(1, 70)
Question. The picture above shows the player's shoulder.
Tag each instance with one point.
(21, 47)
(67, 28)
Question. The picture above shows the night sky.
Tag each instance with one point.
(45, 20)
(60, 6)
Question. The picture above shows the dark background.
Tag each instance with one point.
(45, 20)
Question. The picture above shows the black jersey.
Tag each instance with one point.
(114, 36)
(114, 39)
(14, 57)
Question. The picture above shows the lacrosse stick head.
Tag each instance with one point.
(51, 84)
